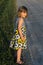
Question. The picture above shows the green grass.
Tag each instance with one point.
(7, 14)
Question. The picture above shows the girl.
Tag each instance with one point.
(18, 41)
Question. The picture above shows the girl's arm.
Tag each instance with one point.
(20, 22)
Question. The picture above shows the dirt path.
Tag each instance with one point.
(34, 53)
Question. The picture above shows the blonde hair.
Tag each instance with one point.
(22, 9)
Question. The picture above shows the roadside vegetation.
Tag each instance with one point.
(7, 15)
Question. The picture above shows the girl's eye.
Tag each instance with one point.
(24, 11)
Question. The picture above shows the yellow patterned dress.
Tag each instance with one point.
(16, 41)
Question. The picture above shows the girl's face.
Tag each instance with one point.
(23, 14)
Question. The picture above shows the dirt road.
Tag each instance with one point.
(34, 54)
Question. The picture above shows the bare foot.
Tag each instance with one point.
(20, 62)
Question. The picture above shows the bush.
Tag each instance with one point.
(7, 13)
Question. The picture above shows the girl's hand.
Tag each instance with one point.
(23, 38)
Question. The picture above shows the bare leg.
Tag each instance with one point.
(19, 56)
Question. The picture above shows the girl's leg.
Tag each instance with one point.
(19, 54)
(19, 51)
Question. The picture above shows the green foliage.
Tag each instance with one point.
(7, 13)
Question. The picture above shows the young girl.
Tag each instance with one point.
(18, 41)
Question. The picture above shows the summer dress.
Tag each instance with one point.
(16, 41)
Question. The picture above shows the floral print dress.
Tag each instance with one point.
(16, 41)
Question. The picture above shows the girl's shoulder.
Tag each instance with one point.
(19, 18)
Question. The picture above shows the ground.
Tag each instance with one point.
(34, 53)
